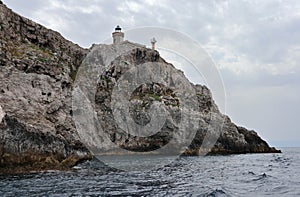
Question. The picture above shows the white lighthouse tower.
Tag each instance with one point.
(118, 35)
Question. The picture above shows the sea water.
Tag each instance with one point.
(232, 175)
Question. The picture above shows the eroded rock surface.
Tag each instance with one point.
(232, 139)
(37, 67)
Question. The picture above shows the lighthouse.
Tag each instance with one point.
(118, 35)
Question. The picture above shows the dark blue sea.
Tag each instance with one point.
(233, 175)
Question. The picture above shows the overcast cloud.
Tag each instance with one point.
(255, 44)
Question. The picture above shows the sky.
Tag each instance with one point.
(255, 46)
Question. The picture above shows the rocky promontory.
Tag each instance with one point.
(38, 68)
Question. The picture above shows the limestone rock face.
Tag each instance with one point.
(232, 138)
(38, 68)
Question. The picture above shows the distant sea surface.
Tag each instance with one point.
(233, 175)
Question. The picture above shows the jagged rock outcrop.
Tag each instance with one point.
(37, 72)
(232, 139)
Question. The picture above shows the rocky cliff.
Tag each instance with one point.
(38, 68)
(209, 121)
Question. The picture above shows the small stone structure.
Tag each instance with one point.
(153, 41)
